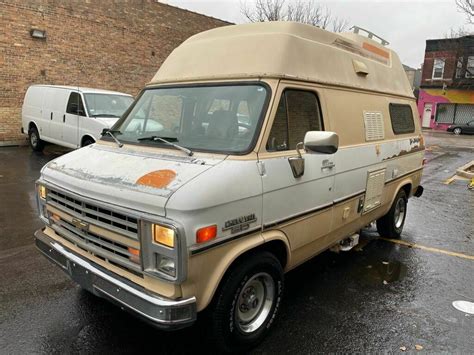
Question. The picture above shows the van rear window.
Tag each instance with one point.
(402, 118)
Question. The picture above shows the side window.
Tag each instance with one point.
(298, 112)
(402, 118)
(75, 105)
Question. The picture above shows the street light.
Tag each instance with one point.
(36, 33)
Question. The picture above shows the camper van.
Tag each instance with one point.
(69, 116)
(254, 148)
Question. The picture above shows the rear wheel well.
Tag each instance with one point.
(85, 138)
(407, 188)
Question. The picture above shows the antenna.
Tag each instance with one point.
(369, 34)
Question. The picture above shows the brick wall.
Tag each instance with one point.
(450, 57)
(116, 45)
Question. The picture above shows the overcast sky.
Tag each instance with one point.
(405, 24)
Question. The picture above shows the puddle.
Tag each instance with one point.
(382, 272)
(464, 306)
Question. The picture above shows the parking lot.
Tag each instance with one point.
(381, 297)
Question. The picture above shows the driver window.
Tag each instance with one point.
(166, 111)
(298, 112)
(75, 105)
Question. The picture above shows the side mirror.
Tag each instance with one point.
(321, 142)
(81, 112)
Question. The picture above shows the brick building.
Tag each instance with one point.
(447, 84)
(116, 45)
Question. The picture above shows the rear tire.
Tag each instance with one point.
(35, 141)
(246, 303)
(457, 131)
(391, 225)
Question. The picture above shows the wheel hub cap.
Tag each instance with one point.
(255, 302)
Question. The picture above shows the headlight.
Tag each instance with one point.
(162, 247)
(41, 202)
(163, 235)
(166, 265)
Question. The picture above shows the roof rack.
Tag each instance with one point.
(369, 34)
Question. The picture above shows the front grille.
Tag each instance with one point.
(125, 227)
(103, 217)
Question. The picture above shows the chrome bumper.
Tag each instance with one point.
(161, 312)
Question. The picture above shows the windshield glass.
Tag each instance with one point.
(107, 104)
(208, 118)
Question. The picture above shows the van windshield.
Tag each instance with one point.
(220, 118)
(107, 105)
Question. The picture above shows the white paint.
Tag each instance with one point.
(427, 115)
(45, 106)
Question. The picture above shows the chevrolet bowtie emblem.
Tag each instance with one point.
(80, 224)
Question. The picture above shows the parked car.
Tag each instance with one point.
(178, 210)
(69, 116)
(466, 128)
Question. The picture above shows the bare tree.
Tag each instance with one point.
(304, 11)
(458, 32)
(466, 6)
(264, 10)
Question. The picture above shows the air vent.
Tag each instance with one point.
(374, 128)
(374, 189)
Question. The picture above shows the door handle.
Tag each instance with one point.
(51, 116)
(327, 164)
(64, 118)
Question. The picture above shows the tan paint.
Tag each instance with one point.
(281, 50)
(206, 269)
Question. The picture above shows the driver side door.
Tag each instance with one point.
(300, 206)
(74, 112)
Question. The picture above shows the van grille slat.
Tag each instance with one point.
(101, 246)
(106, 218)
(96, 249)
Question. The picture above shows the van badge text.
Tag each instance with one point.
(239, 224)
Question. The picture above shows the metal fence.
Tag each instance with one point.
(455, 113)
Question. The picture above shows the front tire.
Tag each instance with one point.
(34, 139)
(457, 131)
(246, 303)
(391, 225)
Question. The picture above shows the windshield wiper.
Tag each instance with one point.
(160, 139)
(111, 133)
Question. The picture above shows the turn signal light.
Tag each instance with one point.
(42, 191)
(135, 255)
(206, 233)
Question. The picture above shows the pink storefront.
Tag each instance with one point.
(440, 108)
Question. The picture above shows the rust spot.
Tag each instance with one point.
(158, 179)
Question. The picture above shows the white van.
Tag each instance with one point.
(253, 149)
(69, 116)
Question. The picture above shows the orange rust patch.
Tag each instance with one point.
(376, 50)
(158, 179)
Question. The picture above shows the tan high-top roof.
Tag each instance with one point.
(286, 50)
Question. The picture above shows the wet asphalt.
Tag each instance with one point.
(377, 298)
